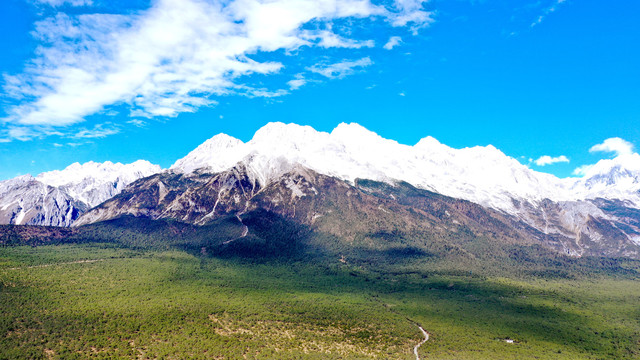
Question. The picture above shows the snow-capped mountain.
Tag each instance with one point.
(24, 200)
(598, 213)
(483, 175)
(59, 197)
(570, 208)
(93, 183)
(617, 178)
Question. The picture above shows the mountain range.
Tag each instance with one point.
(353, 184)
(58, 198)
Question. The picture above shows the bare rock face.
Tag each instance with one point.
(26, 201)
(58, 198)
(589, 227)
(367, 211)
(348, 183)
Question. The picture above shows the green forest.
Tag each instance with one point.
(107, 300)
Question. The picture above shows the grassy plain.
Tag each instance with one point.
(102, 301)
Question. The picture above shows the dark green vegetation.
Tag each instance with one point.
(135, 288)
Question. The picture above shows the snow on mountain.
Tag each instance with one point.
(59, 197)
(24, 200)
(93, 183)
(213, 153)
(480, 174)
(617, 178)
(592, 210)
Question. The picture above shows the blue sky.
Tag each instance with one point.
(125, 80)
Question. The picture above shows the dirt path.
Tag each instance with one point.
(426, 334)
(62, 263)
(426, 337)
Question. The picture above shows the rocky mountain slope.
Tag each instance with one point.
(367, 214)
(598, 207)
(294, 171)
(59, 197)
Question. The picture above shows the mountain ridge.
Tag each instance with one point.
(350, 151)
(59, 197)
(598, 213)
(366, 212)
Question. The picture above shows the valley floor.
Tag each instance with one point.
(101, 301)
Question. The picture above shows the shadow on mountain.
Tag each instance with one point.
(268, 236)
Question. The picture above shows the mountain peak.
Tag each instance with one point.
(428, 142)
(283, 138)
(94, 182)
(102, 172)
(222, 141)
(354, 134)
(351, 151)
(213, 153)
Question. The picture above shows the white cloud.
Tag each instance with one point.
(554, 6)
(329, 39)
(393, 42)
(583, 170)
(21, 133)
(548, 160)
(137, 123)
(614, 145)
(340, 69)
(98, 131)
(56, 3)
(296, 83)
(179, 54)
(625, 157)
(411, 12)
(76, 144)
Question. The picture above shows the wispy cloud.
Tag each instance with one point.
(76, 144)
(72, 144)
(412, 13)
(393, 42)
(98, 131)
(329, 39)
(178, 55)
(340, 69)
(548, 160)
(583, 170)
(20, 133)
(298, 82)
(137, 123)
(550, 9)
(56, 3)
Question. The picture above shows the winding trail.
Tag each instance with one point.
(244, 232)
(426, 337)
(426, 334)
(246, 228)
